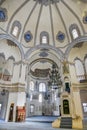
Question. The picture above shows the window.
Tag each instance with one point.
(42, 87)
(85, 107)
(31, 85)
(74, 31)
(0, 107)
(15, 31)
(40, 98)
(16, 28)
(31, 108)
(79, 69)
(86, 64)
(44, 38)
(31, 96)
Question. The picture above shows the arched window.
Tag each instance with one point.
(40, 98)
(15, 31)
(42, 87)
(31, 86)
(44, 38)
(79, 69)
(85, 64)
(75, 34)
(32, 107)
(16, 28)
(74, 31)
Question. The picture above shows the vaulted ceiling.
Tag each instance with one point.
(53, 17)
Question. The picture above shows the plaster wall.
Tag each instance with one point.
(21, 99)
(11, 99)
(77, 103)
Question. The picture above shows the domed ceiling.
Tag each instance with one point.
(25, 22)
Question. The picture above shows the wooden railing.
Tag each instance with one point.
(5, 77)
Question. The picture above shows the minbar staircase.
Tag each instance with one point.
(66, 122)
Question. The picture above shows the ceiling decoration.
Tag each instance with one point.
(44, 49)
(47, 2)
(41, 73)
(11, 58)
(43, 54)
(78, 45)
(11, 43)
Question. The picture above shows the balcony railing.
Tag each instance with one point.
(5, 77)
(82, 78)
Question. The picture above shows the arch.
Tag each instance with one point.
(8, 37)
(78, 41)
(59, 53)
(79, 69)
(11, 58)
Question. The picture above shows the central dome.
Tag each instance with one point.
(44, 22)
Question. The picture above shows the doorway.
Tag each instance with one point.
(66, 107)
(11, 112)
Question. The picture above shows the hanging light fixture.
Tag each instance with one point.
(54, 78)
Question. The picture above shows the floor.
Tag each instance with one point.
(28, 126)
(33, 123)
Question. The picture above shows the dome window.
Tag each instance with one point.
(28, 36)
(44, 38)
(60, 36)
(16, 28)
(74, 31)
(15, 31)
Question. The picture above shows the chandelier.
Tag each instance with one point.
(54, 78)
